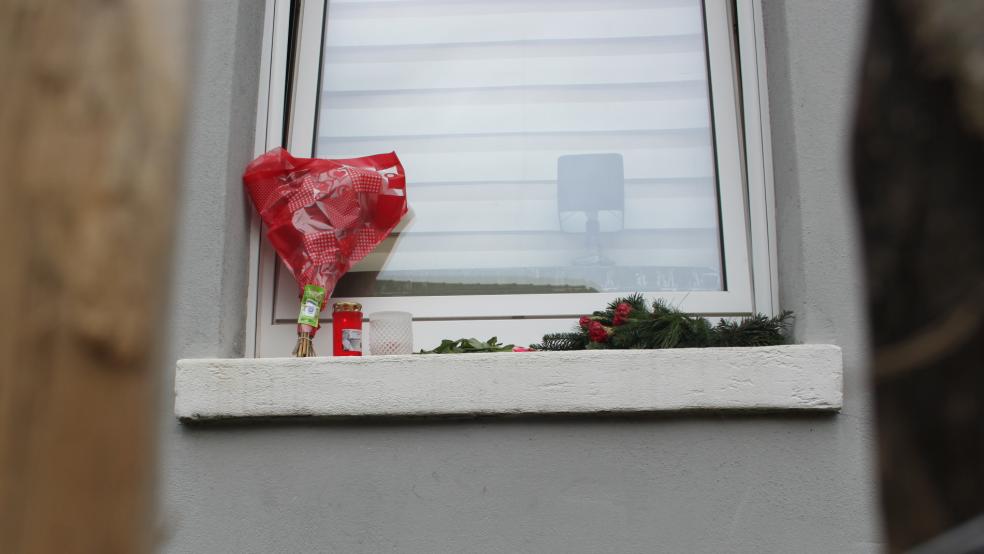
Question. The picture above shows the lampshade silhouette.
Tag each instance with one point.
(591, 200)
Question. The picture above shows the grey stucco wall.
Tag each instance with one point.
(680, 484)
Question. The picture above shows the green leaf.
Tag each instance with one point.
(469, 345)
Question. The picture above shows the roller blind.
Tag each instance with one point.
(484, 99)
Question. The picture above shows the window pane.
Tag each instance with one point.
(550, 146)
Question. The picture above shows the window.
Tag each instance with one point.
(559, 153)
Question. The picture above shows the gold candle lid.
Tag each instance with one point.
(347, 307)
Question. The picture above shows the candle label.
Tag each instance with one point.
(352, 340)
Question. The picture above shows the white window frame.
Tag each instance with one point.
(744, 171)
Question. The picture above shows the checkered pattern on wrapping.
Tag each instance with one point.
(299, 199)
(341, 205)
(321, 247)
(364, 181)
(295, 188)
(366, 239)
(264, 193)
(316, 209)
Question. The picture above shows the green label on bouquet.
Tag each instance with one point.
(311, 301)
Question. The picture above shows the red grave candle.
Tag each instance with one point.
(346, 323)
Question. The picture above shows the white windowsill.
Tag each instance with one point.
(780, 378)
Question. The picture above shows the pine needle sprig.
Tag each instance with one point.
(757, 330)
(636, 300)
(664, 328)
(637, 304)
(574, 340)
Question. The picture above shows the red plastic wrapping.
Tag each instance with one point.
(323, 216)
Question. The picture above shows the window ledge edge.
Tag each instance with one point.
(805, 377)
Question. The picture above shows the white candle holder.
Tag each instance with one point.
(390, 333)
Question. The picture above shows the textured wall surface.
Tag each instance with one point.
(211, 261)
(657, 484)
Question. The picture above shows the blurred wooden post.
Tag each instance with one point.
(919, 177)
(91, 109)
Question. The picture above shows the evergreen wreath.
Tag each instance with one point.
(630, 322)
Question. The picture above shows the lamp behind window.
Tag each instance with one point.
(591, 200)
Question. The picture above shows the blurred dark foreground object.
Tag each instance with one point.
(919, 178)
(91, 110)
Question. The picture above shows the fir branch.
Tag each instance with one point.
(665, 328)
(684, 331)
(636, 300)
(757, 330)
(575, 340)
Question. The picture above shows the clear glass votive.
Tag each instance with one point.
(390, 333)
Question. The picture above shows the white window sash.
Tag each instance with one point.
(745, 198)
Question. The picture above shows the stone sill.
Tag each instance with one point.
(778, 378)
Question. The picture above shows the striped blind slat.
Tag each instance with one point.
(480, 98)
